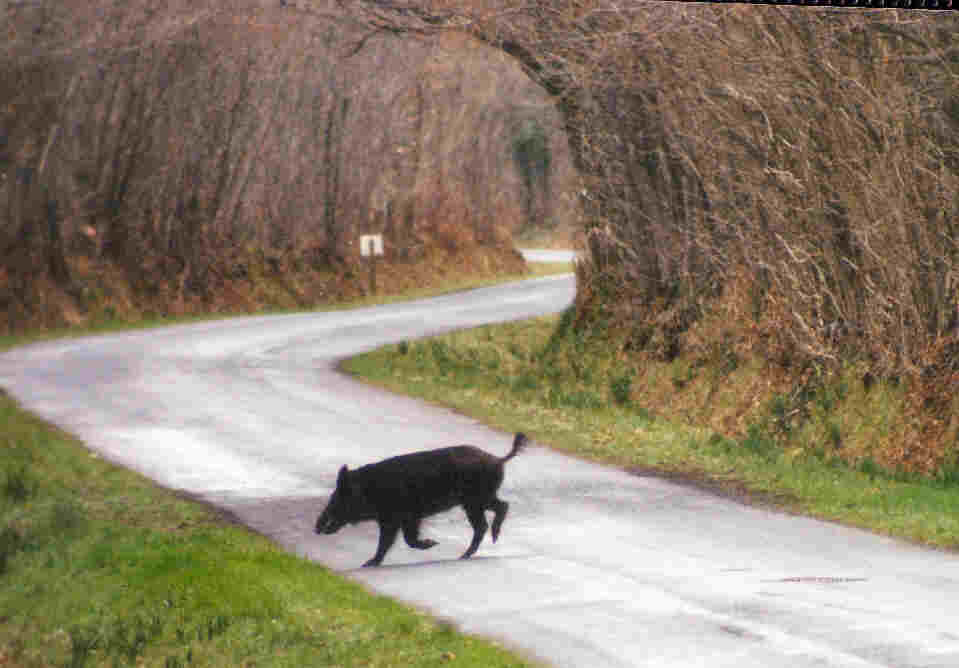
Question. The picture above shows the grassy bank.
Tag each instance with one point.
(98, 566)
(587, 399)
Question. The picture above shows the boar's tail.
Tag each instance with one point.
(519, 442)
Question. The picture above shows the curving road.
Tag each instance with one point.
(595, 567)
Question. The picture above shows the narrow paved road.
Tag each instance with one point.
(594, 567)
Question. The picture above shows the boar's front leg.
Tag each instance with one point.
(388, 532)
(411, 532)
(477, 519)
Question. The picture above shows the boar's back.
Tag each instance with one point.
(429, 482)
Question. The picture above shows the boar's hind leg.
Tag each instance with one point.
(499, 507)
(387, 536)
(477, 519)
(411, 533)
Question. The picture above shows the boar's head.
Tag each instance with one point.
(348, 505)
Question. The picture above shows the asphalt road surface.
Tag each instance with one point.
(594, 567)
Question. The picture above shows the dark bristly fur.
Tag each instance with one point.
(400, 491)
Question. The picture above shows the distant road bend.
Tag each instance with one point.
(595, 567)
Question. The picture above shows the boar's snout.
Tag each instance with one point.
(327, 523)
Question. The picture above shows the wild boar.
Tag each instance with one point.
(400, 491)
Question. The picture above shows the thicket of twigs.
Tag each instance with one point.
(803, 163)
(186, 145)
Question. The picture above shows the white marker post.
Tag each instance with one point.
(371, 245)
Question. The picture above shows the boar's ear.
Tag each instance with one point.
(341, 479)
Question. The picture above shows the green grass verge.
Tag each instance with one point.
(98, 566)
(577, 396)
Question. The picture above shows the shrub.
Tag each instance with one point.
(582, 399)
(442, 356)
(10, 543)
(525, 382)
(621, 387)
(758, 441)
(18, 485)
